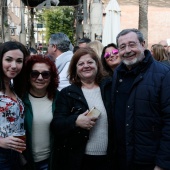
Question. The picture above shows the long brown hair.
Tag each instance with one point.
(72, 71)
(159, 52)
(18, 81)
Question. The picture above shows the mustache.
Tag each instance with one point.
(128, 54)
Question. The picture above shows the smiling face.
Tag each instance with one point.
(86, 68)
(114, 60)
(12, 63)
(131, 50)
(39, 84)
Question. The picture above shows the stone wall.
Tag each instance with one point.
(158, 21)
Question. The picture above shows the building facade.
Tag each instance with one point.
(15, 20)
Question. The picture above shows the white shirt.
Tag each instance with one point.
(62, 63)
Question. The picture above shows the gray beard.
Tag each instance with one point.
(133, 62)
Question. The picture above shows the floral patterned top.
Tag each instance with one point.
(11, 115)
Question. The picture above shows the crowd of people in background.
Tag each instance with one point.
(87, 107)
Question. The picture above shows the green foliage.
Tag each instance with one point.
(39, 16)
(59, 19)
(6, 24)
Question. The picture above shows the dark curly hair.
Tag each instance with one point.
(105, 65)
(72, 71)
(18, 84)
(52, 87)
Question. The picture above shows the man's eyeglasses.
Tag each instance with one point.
(35, 74)
(107, 55)
(131, 45)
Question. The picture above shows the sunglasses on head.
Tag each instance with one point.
(44, 74)
(107, 55)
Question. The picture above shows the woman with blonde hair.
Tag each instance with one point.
(97, 46)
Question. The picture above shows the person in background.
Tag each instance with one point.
(12, 58)
(84, 142)
(110, 58)
(32, 51)
(141, 106)
(59, 49)
(39, 51)
(42, 82)
(83, 42)
(75, 48)
(159, 53)
(164, 43)
(97, 46)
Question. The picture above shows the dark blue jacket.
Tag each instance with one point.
(147, 120)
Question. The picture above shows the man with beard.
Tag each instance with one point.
(141, 107)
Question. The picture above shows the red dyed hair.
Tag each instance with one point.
(52, 87)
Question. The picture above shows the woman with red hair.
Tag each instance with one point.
(42, 82)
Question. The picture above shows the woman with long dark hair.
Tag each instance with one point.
(12, 58)
(110, 58)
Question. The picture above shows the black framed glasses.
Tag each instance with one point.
(35, 74)
(130, 45)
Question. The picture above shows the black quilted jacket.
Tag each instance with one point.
(148, 115)
(71, 140)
